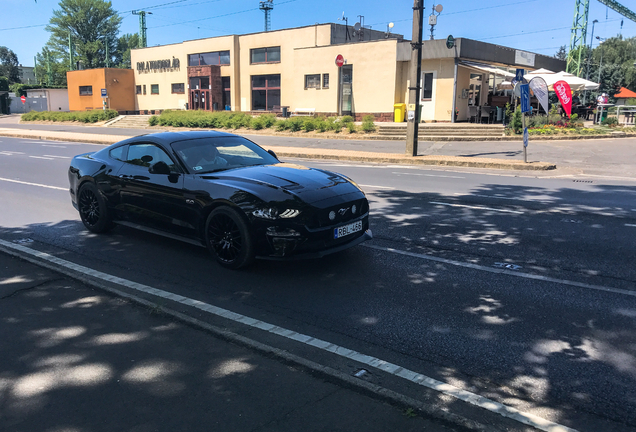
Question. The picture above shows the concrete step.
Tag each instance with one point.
(131, 122)
(444, 132)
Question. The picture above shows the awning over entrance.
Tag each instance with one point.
(481, 67)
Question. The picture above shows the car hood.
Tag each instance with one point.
(309, 184)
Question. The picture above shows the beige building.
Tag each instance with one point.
(297, 70)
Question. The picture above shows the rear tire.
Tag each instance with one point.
(228, 238)
(93, 210)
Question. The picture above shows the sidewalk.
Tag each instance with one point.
(103, 135)
(76, 359)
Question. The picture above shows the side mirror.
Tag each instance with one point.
(272, 153)
(159, 168)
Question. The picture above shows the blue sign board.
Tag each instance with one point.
(104, 94)
(525, 97)
(519, 75)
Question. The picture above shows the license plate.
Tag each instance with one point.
(347, 229)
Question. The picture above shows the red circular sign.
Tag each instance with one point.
(339, 60)
(23, 99)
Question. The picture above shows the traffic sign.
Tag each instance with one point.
(23, 99)
(339, 60)
(104, 93)
(524, 90)
(519, 75)
(450, 42)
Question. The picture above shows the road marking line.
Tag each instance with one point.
(10, 153)
(33, 184)
(507, 272)
(377, 187)
(51, 145)
(41, 157)
(393, 369)
(428, 175)
(58, 157)
(476, 207)
(630, 225)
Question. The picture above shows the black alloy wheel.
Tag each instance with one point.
(93, 210)
(228, 239)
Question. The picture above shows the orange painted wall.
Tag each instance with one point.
(119, 83)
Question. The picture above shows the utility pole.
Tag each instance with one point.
(35, 69)
(49, 74)
(70, 51)
(107, 56)
(413, 108)
(587, 72)
(143, 42)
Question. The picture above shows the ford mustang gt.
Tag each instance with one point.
(221, 191)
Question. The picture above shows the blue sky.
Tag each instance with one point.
(539, 26)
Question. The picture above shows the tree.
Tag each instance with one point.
(124, 44)
(615, 59)
(562, 53)
(9, 66)
(51, 67)
(92, 24)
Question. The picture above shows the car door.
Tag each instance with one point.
(154, 200)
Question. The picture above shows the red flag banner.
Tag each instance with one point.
(564, 93)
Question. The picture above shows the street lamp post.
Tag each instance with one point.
(600, 66)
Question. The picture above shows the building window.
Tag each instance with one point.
(212, 58)
(312, 81)
(325, 80)
(427, 86)
(225, 83)
(138, 89)
(154, 88)
(86, 90)
(177, 88)
(265, 92)
(265, 55)
(144, 88)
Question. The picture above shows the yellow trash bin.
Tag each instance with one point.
(399, 111)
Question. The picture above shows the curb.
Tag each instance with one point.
(343, 155)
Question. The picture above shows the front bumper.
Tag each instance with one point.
(300, 242)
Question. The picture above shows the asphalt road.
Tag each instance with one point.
(553, 335)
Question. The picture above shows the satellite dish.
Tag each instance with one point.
(439, 8)
(391, 25)
(357, 26)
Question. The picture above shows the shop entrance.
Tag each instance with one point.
(205, 88)
(346, 90)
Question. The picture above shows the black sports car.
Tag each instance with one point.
(222, 191)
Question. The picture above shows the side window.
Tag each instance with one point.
(148, 154)
(119, 153)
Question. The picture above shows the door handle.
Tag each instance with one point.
(138, 177)
(123, 176)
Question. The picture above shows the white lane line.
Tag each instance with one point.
(476, 207)
(11, 153)
(58, 157)
(51, 145)
(377, 187)
(33, 184)
(505, 271)
(428, 175)
(393, 369)
(41, 157)
(630, 225)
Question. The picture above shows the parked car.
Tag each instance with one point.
(221, 191)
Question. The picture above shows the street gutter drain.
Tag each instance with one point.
(360, 373)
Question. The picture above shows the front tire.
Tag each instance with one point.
(228, 238)
(93, 210)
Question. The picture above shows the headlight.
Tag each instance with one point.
(272, 213)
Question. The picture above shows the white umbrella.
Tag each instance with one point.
(575, 83)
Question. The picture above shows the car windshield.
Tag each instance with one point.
(206, 155)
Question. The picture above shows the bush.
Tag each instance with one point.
(281, 125)
(81, 116)
(268, 120)
(295, 124)
(309, 124)
(346, 119)
(610, 121)
(153, 121)
(333, 124)
(321, 124)
(367, 123)
(258, 123)
(351, 127)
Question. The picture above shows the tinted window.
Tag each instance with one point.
(148, 154)
(86, 90)
(204, 155)
(118, 153)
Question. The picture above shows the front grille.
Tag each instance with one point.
(343, 213)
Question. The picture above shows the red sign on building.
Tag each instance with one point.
(339, 60)
(23, 99)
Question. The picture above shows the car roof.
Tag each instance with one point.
(169, 137)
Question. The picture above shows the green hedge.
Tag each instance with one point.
(80, 116)
(234, 120)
